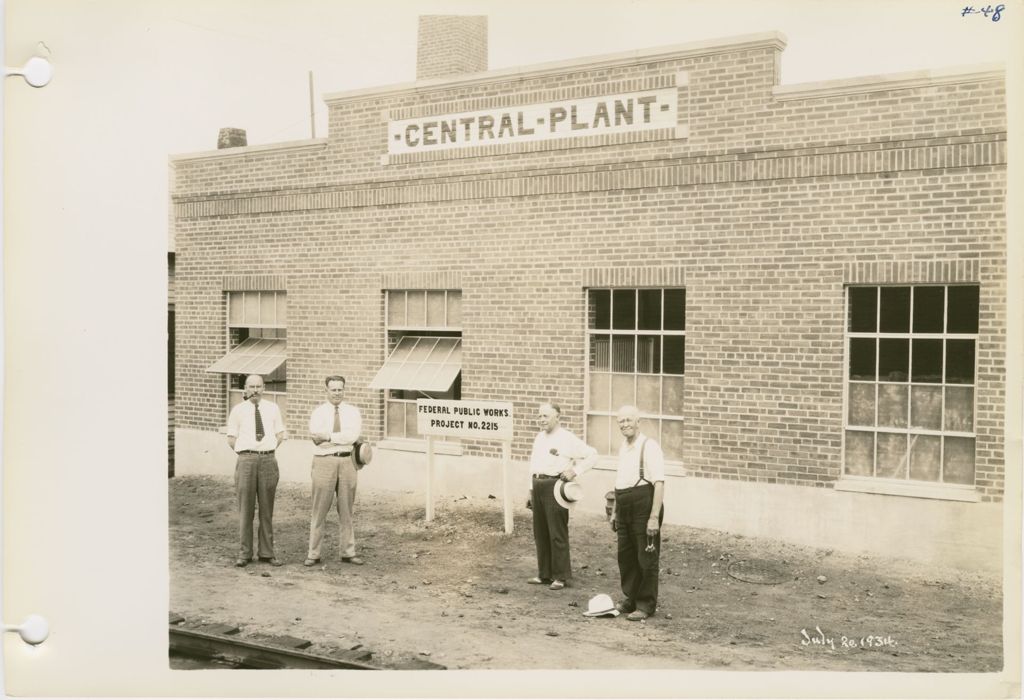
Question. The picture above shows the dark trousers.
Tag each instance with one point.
(256, 479)
(638, 568)
(550, 532)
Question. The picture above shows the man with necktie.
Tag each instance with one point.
(255, 429)
(334, 426)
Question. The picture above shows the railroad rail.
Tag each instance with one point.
(251, 654)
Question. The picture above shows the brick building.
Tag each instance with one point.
(803, 287)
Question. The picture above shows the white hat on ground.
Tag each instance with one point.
(601, 605)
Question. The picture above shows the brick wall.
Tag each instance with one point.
(766, 211)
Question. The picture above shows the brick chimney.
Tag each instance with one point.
(451, 45)
(231, 138)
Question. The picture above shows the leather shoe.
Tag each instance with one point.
(623, 608)
(538, 579)
(241, 562)
(637, 615)
(311, 562)
(353, 560)
(273, 561)
(557, 585)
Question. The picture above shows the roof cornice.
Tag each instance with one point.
(894, 81)
(773, 39)
(238, 151)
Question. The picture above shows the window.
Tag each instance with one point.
(424, 354)
(911, 383)
(256, 341)
(636, 345)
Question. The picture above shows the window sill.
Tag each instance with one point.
(441, 448)
(893, 487)
(611, 464)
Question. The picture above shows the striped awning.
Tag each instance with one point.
(252, 356)
(421, 363)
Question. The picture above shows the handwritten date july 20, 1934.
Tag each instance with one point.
(818, 638)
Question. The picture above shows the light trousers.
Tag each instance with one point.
(256, 478)
(334, 483)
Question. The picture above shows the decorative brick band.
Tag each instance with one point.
(859, 159)
(437, 279)
(912, 271)
(633, 277)
(254, 283)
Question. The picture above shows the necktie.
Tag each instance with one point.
(337, 420)
(259, 424)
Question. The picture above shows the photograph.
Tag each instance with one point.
(538, 338)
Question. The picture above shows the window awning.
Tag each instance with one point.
(252, 356)
(421, 363)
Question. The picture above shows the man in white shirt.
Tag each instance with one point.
(557, 455)
(637, 515)
(255, 429)
(334, 426)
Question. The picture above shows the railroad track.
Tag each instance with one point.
(244, 653)
(220, 644)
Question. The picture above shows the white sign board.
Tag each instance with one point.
(489, 420)
(588, 116)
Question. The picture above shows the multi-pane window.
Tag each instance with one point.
(257, 323)
(424, 354)
(911, 382)
(636, 346)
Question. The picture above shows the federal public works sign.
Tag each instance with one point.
(491, 420)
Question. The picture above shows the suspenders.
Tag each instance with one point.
(642, 448)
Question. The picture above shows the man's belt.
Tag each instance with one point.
(336, 454)
(256, 452)
(546, 476)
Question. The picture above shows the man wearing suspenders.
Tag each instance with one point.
(637, 515)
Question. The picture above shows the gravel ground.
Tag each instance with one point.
(453, 592)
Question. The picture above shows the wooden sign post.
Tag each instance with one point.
(475, 420)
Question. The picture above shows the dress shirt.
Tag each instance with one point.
(629, 462)
(242, 426)
(566, 446)
(322, 421)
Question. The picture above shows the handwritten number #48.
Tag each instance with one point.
(987, 10)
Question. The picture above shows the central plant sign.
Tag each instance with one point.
(588, 116)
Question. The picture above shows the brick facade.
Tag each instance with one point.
(768, 206)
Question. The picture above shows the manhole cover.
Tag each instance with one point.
(758, 571)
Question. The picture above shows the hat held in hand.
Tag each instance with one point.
(362, 452)
(568, 493)
(601, 605)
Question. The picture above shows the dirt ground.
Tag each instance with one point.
(454, 592)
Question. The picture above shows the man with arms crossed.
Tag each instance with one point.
(637, 515)
(255, 429)
(334, 426)
(557, 455)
